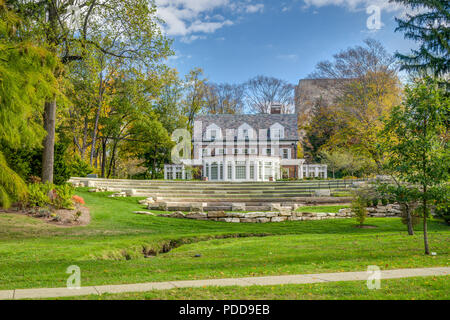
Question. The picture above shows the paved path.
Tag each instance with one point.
(251, 281)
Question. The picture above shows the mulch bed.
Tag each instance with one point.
(61, 217)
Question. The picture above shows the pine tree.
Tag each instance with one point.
(431, 28)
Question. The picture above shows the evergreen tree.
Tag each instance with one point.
(26, 81)
(431, 28)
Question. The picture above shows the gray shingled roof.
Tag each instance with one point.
(256, 121)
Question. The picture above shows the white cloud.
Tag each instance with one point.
(357, 5)
(190, 19)
(253, 8)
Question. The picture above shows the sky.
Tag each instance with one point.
(235, 40)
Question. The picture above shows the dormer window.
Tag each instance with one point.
(276, 131)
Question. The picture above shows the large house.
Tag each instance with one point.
(237, 148)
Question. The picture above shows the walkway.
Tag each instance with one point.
(261, 281)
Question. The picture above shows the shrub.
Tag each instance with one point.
(12, 187)
(384, 201)
(47, 194)
(359, 209)
(79, 168)
(375, 202)
(78, 199)
(64, 194)
(38, 194)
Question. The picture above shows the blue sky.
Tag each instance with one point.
(234, 40)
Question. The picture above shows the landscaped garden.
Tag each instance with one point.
(119, 246)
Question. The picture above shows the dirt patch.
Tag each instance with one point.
(80, 216)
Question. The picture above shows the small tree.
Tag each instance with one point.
(418, 142)
(359, 209)
(406, 197)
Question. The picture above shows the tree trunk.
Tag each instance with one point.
(48, 153)
(97, 117)
(409, 222)
(103, 157)
(425, 231)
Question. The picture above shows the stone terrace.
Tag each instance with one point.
(213, 196)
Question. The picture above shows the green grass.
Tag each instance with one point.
(330, 209)
(110, 250)
(420, 288)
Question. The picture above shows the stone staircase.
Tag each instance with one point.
(220, 196)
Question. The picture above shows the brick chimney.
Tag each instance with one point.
(275, 109)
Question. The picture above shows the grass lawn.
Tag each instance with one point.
(111, 249)
(328, 209)
(420, 288)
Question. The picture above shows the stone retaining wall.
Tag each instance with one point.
(284, 214)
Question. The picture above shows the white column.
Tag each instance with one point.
(233, 170)
(247, 169)
(183, 174)
(272, 170)
(300, 172)
(256, 168)
(317, 171)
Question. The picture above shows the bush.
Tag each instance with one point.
(38, 194)
(359, 209)
(384, 201)
(61, 171)
(375, 202)
(64, 194)
(79, 168)
(50, 195)
(78, 199)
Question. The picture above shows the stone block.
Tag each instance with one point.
(331, 214)
(275, 206)
(271, 214)
(321, 214)
(233, 220)
(248, 220)
(251, 215)
(131, 192)
(196, 207)
(216, 214)
(163, 206)
(90, 184)
(278, 219)
(322, 192)
(262, 220)
(286, 212)
(197, 216)
(144, 212)
(238, 206)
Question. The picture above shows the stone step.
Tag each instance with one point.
(262, 201)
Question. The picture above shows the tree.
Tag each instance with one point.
(430, 26)
(367, 88)
(225, 98)
(154, 145)
(125, 29)
(318, 130)
(26, 81)
(195, 96)
(262, 92)
(417, 133)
